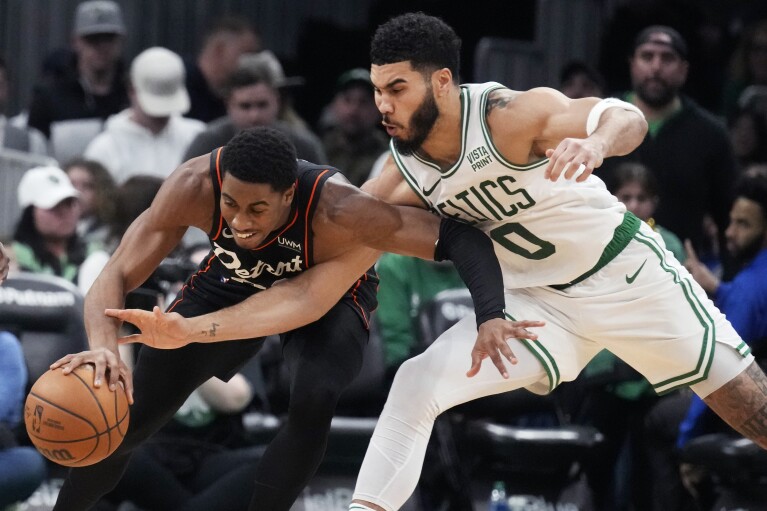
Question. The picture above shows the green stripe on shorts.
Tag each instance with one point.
(706, 357)
(544, 357)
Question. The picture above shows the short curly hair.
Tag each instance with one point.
(753, 188)
(426, 41)
(261, 155)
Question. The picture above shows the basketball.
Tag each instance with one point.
(73, 423)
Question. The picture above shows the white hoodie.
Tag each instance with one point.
(127, 149)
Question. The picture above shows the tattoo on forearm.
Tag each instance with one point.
(211, 332)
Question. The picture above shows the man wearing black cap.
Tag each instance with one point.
(79, 94)
(687, 148)
(353, 140)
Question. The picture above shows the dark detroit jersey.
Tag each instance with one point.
(229, 273)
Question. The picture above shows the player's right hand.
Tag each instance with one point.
(102, 359)
(158, 329)
(491, 342)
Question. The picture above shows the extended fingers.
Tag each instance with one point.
(476, 363)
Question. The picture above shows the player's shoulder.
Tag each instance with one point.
(305, 166)
(189, 185)
(186, 196)
(511, 100)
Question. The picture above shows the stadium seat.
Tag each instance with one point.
(46, 314)
(738, 468)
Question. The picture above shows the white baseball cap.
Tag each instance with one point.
(158, 75)
(45, 187)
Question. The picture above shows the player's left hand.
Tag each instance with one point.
(158, 329)
(491, 342)
(573, 157)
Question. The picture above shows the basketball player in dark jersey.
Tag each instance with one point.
(269, 218)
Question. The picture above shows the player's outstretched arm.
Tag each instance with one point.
(290, 304)
(180, 202)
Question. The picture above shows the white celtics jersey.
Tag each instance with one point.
(544, 233)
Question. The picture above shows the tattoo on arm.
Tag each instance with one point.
(498, 99)
(211, 332)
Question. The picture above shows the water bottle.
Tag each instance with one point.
(498, 500)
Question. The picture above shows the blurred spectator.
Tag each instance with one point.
(754, 98)
(22, 468)
(352, 136)
(46, 240)
(748, 134)
(96, 188)
(743, 300)
(150, 137)
(28, 140)
(267, 65)
(206, 78)
(130, 199)
(686, 148)
(579, 80)
(407, 284)
(251, 100)
(70, 108)
(636, 187)
(748, 65)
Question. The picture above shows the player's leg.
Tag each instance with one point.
(742, 403)
(435, 381)
(323, 358)
(647, 309)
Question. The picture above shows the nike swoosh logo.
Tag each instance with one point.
(430, 190)
(631, 279)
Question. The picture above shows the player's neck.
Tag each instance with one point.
(443, 145)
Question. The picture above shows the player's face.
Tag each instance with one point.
(636, 199)
(657, 73)
(406, 101)
(747, 233)
(253, 210)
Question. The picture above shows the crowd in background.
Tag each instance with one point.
(117, 129)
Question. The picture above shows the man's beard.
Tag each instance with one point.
(656, 99)
(744, 255)
(421, 123)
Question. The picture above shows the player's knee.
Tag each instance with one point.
(411, 392)
(314, 403)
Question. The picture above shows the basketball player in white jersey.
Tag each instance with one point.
(518, 166)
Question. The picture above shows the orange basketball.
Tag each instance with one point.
(72, 422)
